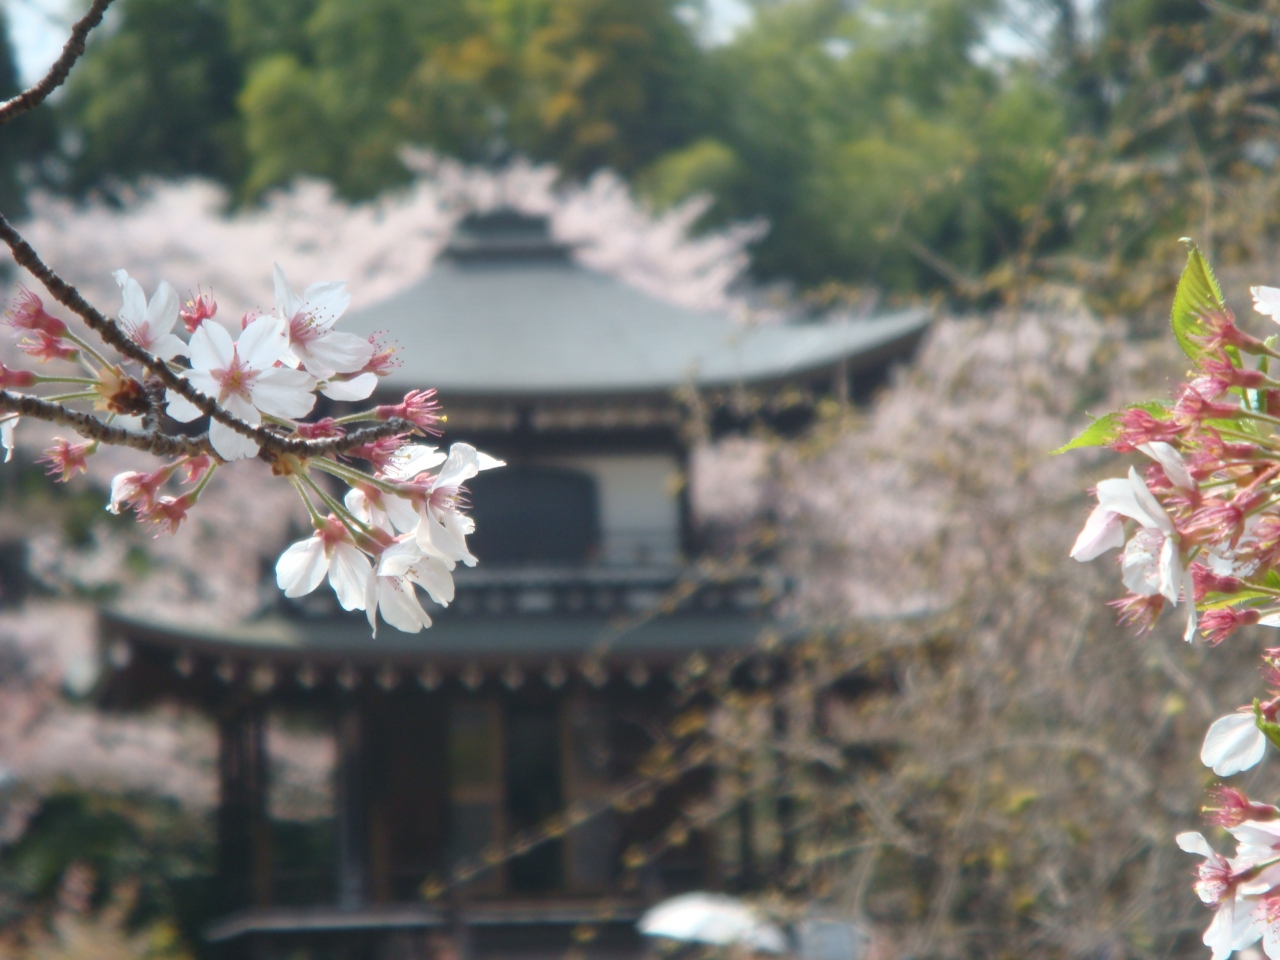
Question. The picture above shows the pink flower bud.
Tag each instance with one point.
(1221, 331)
(1217, 625)
(15, 378)
(1221, 368)
(1206, 581)
(1137, 427)
(325, 429)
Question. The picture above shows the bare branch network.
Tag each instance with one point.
(400, 523)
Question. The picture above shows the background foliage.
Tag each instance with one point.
(893, 146)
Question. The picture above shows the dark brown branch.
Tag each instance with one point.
(67, 295)
(72, 50)
(339, 445)
(110, 334)
(92, 428)
(177, 445)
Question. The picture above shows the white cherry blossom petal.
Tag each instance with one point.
(398, 558)
(399, 605)
(357, 388)
(1232, 744)
(283, 392)
(349, 573)
(229, 444)
(1194, 842)
(326, 301)
(434, 576)
(302, 567)
(1172, 463)
(180, 408)
(263, 342)
(1170, 571)
(1266, 301)
(7, 429)
(1103, 531)
(288, 303)
(211, 347)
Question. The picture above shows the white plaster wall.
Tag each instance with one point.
(639, 505)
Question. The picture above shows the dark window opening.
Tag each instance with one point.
(533, 792)
(531, 514)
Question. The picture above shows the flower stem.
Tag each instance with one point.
(354, 476)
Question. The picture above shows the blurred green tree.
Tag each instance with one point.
(156, 97)
(28, 138)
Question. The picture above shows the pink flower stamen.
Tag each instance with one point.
(1234, 808)
(27, 312)
(66, 459)
(384, 358)
(380, 452)
(1137, 611)
(197, 309)
(1217, 625)
(419, 407)
(44, 347)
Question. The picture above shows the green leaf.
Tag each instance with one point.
(1219, 601)
(1269, 730)
(1198, 296)
(1097, 434)
(1106, 428)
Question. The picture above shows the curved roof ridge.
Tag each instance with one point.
(521, 326)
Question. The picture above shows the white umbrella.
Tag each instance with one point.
(712, 918)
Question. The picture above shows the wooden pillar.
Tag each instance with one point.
(785, 806)
(244, 833)
(351, 811)
(746, 836)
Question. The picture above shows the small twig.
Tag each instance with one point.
(72, 50)
(91, 428)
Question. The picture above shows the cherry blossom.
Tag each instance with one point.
(1237, 922)
(443, 528)
(331, 552)
(150, 324)
(244, 379)
(316, 346)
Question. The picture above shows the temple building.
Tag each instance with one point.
(489, 771)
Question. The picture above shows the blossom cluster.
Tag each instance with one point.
(402, 520)
(1198, 524)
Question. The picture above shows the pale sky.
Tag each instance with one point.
(38, 28)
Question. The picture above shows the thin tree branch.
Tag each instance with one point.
(92, 428)
(66, 294)
(72, 50)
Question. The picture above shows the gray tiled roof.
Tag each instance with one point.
(524, 321)
(497, 639)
